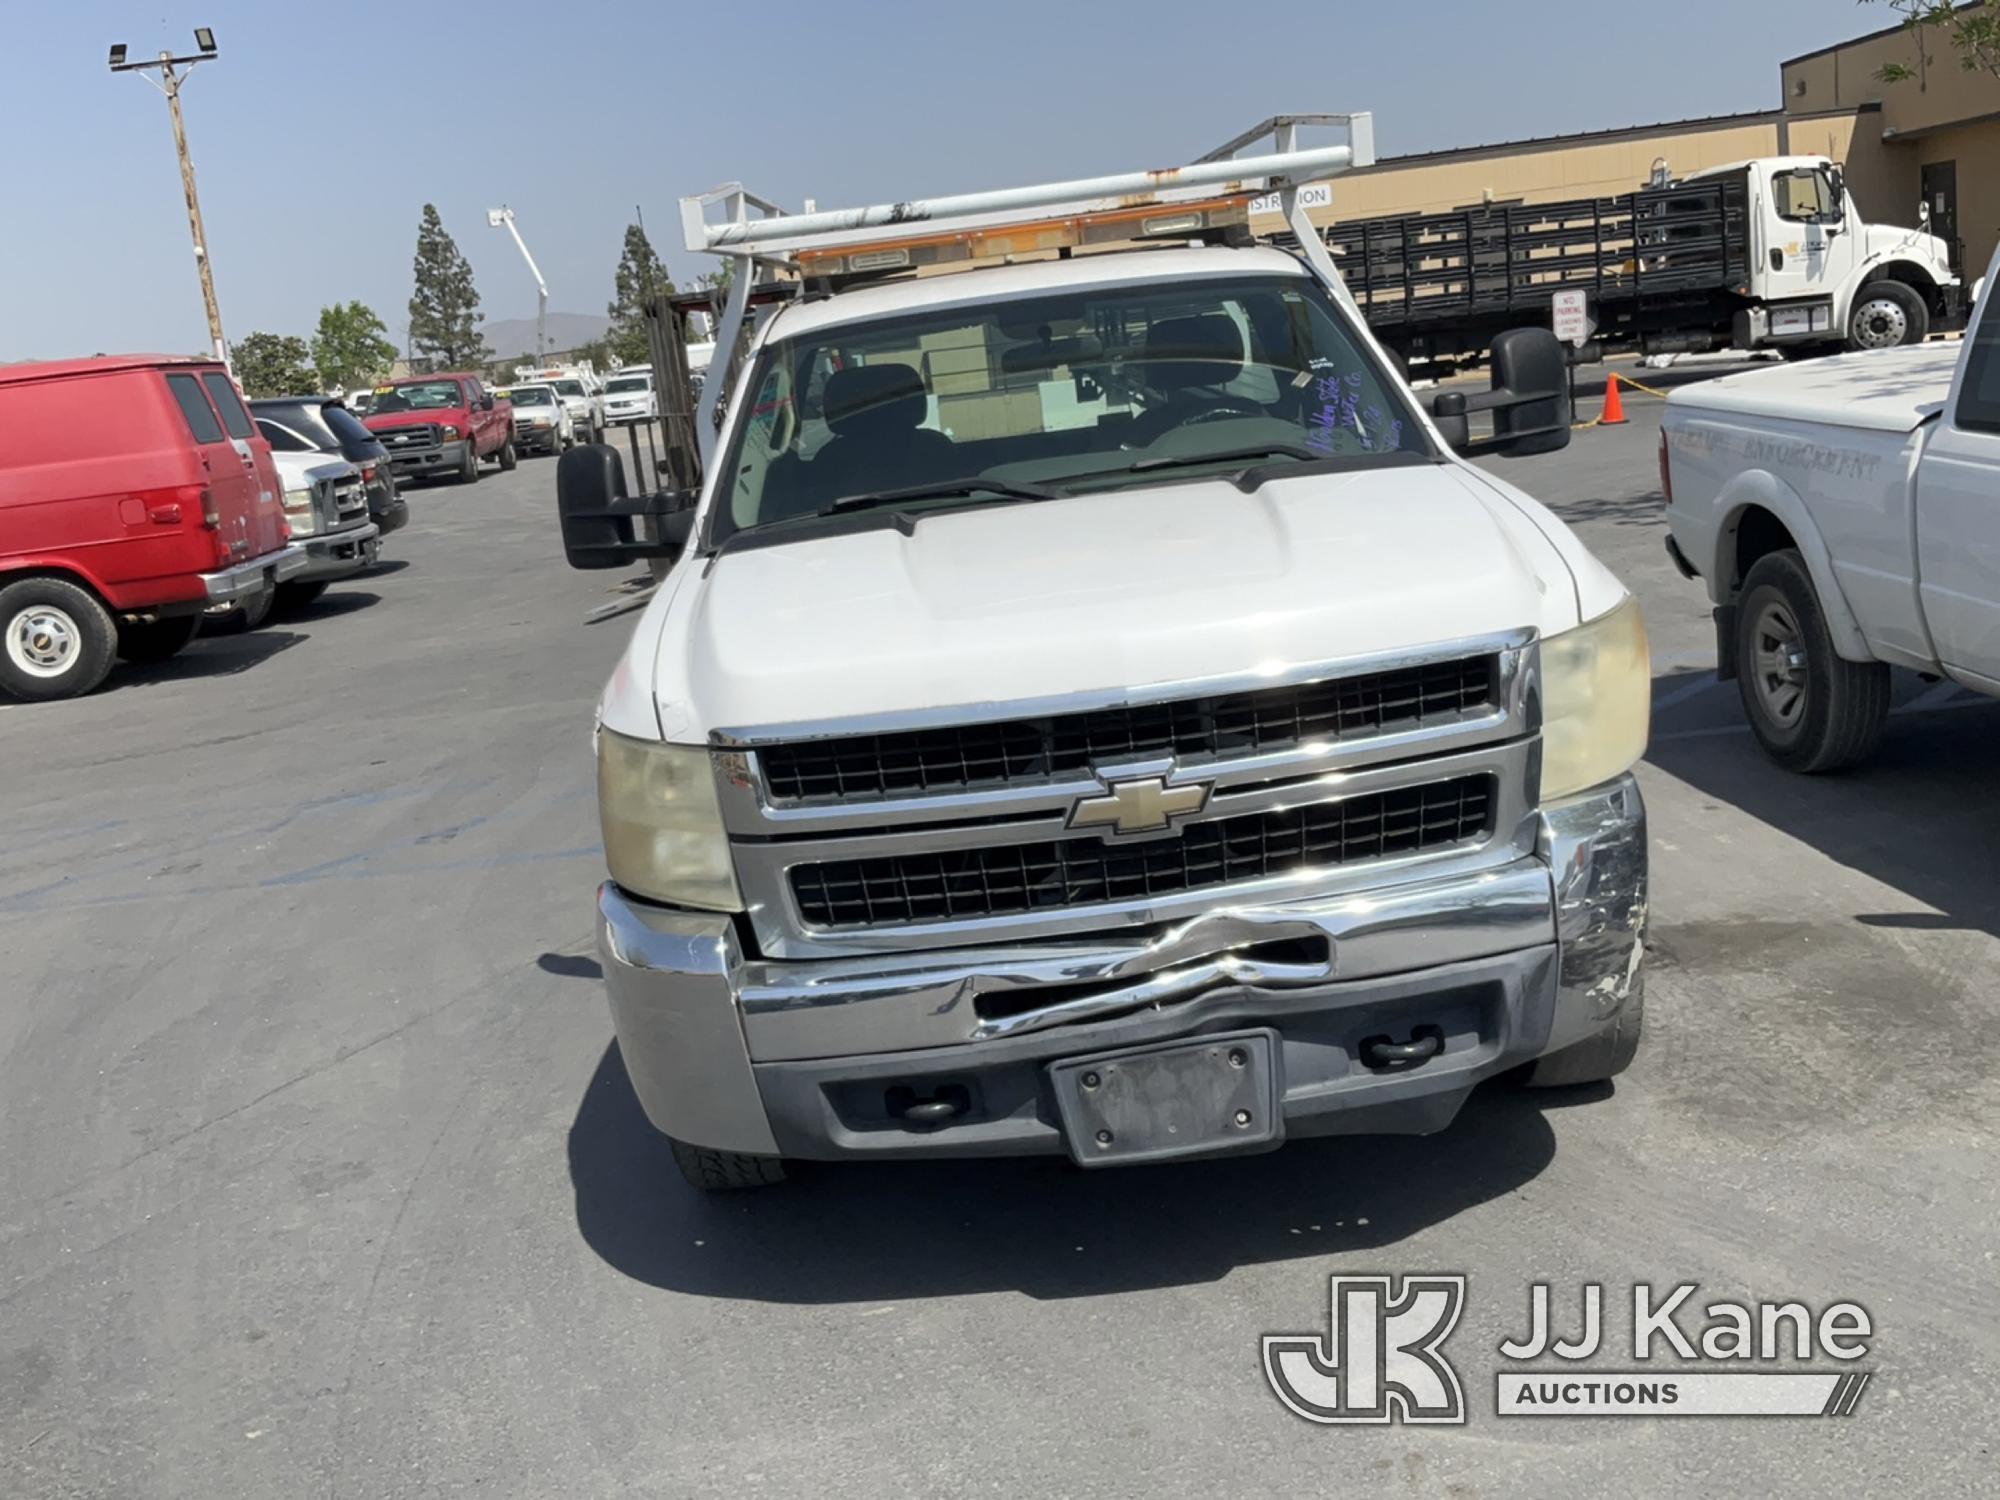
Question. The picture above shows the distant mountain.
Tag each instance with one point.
(508, 337)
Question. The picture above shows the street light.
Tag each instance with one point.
(169, 83)
(503, 216)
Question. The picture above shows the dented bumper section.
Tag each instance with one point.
(826, 1059)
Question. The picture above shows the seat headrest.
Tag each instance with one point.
(874, 399)
(1041, 358)
(1206, 349)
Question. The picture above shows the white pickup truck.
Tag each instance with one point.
(1095, 711)
(1843, 515)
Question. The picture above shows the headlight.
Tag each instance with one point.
(298, 499)
(541, 419)
(663, 833)
(1597, 684)
(449, 431)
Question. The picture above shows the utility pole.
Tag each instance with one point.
(169, 83)
(504, 216)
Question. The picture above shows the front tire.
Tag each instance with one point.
(1886, 315)
(468, 469)
(56, 640)
(507, 457)
(1810, 709)
(144, 642)
(725, 1171)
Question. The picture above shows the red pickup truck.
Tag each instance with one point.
(441, 424)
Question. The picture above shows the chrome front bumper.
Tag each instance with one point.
(340, 554)
(1512, 962)
(248, 579)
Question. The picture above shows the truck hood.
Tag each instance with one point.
(1887, 241)
(1883, 390)
(301, 468)
(1102, 592)
(390, 420)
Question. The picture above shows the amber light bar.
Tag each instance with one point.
(1169, 220)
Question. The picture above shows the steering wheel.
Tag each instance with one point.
(1215, 414)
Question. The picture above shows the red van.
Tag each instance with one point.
(135, 492)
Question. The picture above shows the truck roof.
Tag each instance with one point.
(1782, 163)
(1022, 279)
(97, 364)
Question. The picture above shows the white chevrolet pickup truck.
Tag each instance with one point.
(1093, 709)
(1845, 515)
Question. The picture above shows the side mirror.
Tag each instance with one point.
(603, 526)
(486, 403)
(1529, 399)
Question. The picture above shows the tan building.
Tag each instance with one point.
(1935, 138)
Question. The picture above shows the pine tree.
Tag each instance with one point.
(640, 276)
(444, 311)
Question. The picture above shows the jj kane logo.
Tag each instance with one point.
(1382, 1359)
(1382, 1363)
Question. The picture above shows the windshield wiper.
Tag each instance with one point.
(941, 490)
(1252, 475)
(1227, 456)
(851, 508)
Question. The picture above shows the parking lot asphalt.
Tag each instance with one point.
(322, 1175)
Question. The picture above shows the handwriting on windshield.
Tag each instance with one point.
(1341, 408)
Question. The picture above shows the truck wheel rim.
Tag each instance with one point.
(1778, 658)
(43, 641)
(1880, 324)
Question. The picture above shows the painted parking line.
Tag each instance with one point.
(1685, 691)
(1929, 703)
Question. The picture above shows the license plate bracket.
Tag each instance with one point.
(1206, 1096)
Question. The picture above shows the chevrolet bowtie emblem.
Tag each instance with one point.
(1139, 806)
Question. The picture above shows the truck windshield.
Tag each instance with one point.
(428, 395)
(532, 395)
(1081, 389)
(625, 383)
(570, 387)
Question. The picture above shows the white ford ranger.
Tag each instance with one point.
(1842, 514)
(1096, 712)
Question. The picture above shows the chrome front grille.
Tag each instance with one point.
(971, 757)
(974, 825)
(1008, 879)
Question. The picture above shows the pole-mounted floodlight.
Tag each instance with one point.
(503, 217)
(173, 73)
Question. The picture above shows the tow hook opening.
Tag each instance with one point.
(1384, 1054)
(935, 1107)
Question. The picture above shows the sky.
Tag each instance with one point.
(320, 131)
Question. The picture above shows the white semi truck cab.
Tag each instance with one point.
(1767, 253)
(1820, 276)
(1093, 709)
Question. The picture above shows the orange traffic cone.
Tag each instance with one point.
(1614, 405)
